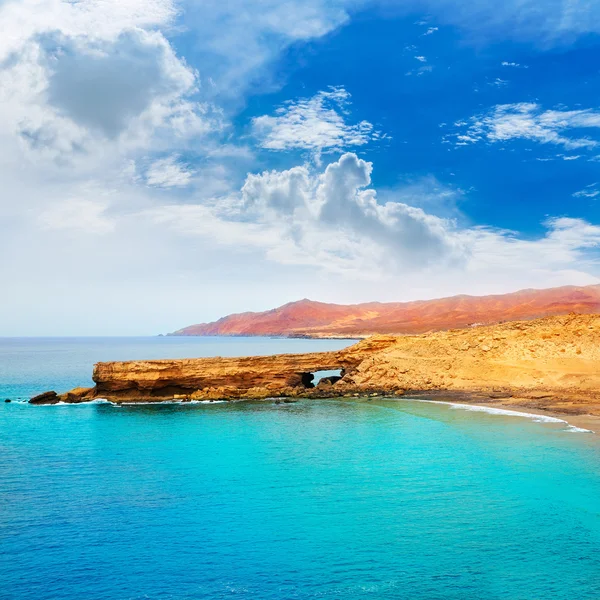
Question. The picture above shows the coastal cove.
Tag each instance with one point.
(364, 497)
(550, 364)
(317, 499)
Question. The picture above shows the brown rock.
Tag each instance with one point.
(45, 398)
(556, 376)
(77, 395)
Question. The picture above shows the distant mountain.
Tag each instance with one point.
(306, 318)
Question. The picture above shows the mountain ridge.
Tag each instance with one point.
(311, 318)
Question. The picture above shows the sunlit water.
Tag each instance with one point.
(318, 499)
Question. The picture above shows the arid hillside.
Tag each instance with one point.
(550, 364)
(318, 319)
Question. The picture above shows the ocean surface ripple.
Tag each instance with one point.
(366, 499)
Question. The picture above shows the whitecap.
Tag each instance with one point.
(574, 429)
(86, 403)
(171, 402)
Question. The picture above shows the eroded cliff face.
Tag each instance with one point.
(549, 363)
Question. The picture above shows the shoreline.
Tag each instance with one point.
(282, 336)
(583, 420)
(550, 365)
(583, 423)
(589, 422)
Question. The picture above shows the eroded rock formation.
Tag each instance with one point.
(551, 363)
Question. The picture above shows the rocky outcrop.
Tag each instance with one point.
(317, 319)
(551, 363)
(45, 398)
(75, 396)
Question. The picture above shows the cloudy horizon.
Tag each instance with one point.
(167, 163)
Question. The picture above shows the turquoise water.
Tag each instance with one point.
(319, 499)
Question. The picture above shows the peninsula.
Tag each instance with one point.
(550, 364)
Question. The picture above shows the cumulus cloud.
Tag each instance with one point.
(94, 83)
(528, 121)
(104, 86)
(114, 189)
(316, 124)
(332, 221)
(329, 220)
(95, 19)
(322, 229)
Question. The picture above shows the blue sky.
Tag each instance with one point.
(415, 87)
(167, 162)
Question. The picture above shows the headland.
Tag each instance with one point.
(550, 364)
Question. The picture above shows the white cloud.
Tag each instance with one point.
(281, 233)
(528, 121)
(431, 30)
(421, 58)
(99, 115)
(238, 40)
(513, 64)
(317, 124)
(332, 221)
(95, 19)
(77, 215)
(547, 24)
(420, 71)
(105, 86)
(168, 172)
(88, 83)
(590, 191)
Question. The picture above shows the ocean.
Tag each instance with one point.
(333, 499)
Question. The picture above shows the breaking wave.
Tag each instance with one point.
(506, 413)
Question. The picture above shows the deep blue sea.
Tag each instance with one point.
(362, 498)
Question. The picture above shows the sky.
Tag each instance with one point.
(166, 163)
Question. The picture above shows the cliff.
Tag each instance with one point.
(318, 319)
(551, 363)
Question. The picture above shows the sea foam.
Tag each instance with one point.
(170, 402)
(506, 413)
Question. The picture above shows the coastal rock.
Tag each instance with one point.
(77, 395)
(45, 398)
(562, 374)
(252, 377)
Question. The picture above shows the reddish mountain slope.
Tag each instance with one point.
(308, 318)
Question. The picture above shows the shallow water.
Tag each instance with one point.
(318, 499)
